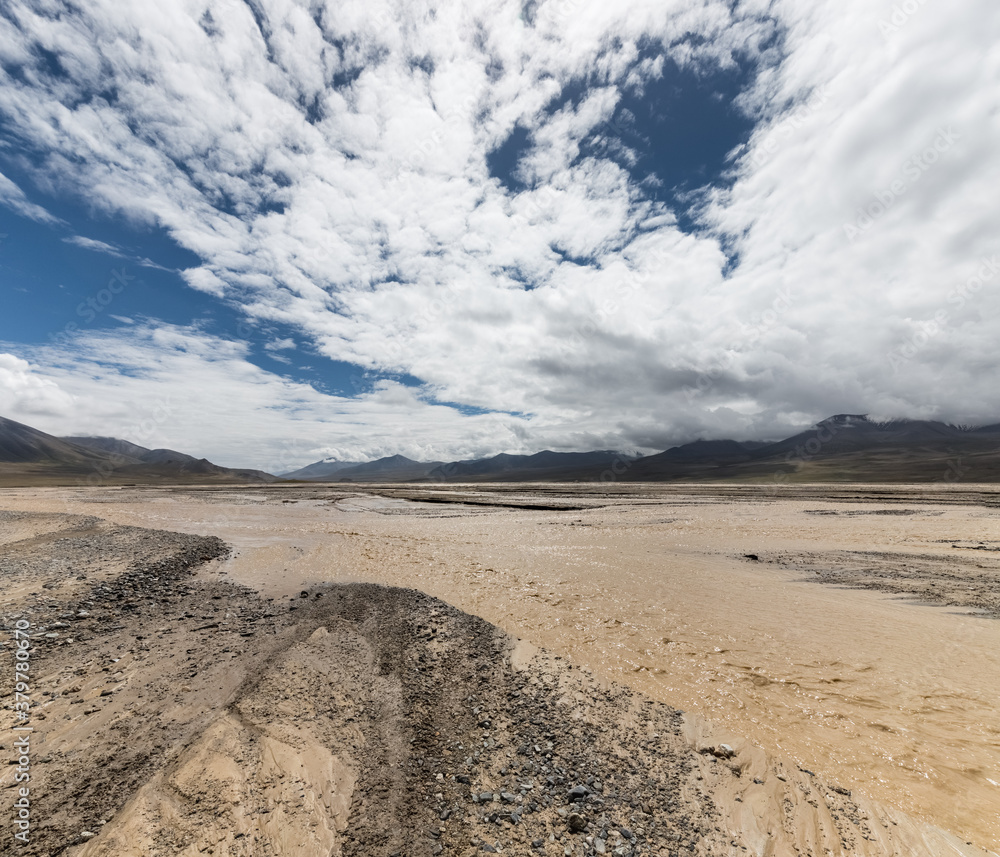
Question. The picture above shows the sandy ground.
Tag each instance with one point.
(820, 690)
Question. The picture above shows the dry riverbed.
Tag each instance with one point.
(193, 701)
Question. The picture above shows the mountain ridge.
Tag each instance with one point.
(843, 447)
(29, 456)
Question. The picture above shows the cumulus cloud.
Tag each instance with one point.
(330, 166)
(165, 386)
(29, 396)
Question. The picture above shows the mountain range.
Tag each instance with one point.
(394, 468)
(842, 448)
(32, 457)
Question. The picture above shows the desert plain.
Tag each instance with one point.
(434, 669)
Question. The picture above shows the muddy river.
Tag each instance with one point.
(891, 695)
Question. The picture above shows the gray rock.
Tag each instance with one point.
(723, 751)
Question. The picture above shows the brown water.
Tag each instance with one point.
(893, 699)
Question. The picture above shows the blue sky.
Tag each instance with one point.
(84, 272)
(277, 233)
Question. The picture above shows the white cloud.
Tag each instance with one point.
(111, 250)
(29, 396)
(180, 388)
(14, 198)
(364, 216)
(95, 245)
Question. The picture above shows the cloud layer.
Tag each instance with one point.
(330, 166)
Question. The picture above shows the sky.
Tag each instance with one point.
(269, 232)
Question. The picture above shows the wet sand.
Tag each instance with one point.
(891, 698)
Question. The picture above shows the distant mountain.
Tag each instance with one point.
(124, 449)
(394, 468)
(850, 433)
(111, 445)
(21, 444)
(841, 448)
(32, 457)
(542, 466)
(132, 461)
(844, 447)
(699, 458)
(852, 447)
(320, 470)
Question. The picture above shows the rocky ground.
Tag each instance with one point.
(179, 714)
(968, 579)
